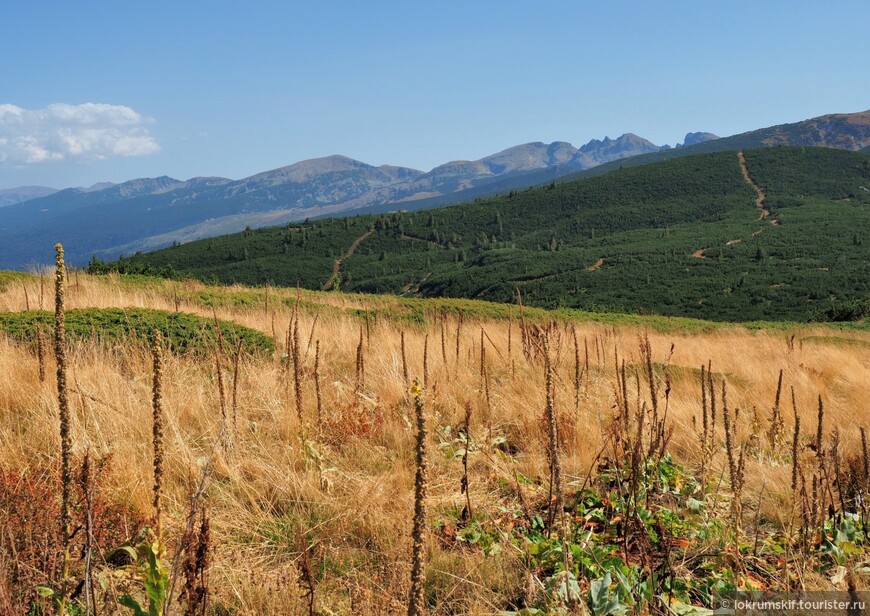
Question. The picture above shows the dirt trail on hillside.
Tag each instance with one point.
(336, 268)
(759, 200)
(595, 265)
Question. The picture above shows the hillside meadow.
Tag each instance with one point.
(309, 489)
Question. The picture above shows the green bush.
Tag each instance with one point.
(850, 310)
(183, 332)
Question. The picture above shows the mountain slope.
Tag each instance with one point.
(847, 131)
(11, 196)
(679, 237)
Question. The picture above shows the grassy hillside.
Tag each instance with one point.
(682, 237)
(320, 483)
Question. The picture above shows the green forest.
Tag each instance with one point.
(680, 237)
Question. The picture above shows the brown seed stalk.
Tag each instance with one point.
(819, 428)
(317, 383)
(776, 422)
(297, 370)
(458, 332)
(404, 360)
(197, 548)
(865, 459)
(426, 362)
(360, 366)
(63, 403)
(40, 354)
(463, 486)
(415, 600)
(578, 372)
(157, 425)
(307, 578)
(795, 447)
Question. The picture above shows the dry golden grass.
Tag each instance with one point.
(349, 481)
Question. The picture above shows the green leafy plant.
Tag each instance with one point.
(149, 569)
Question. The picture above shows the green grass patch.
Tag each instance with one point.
(836, 340)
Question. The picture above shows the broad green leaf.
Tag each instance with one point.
(45, 591)
(130, 602)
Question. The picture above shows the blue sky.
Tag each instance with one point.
(227, 88)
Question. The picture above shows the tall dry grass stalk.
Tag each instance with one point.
(557, 499)
(87, 488)
(865, 459)
(219, 371)
(524, 336)
(404, 360)
(836, 463)
(197, 556)
(795, 448)
(459, 320)
(736, 460)
(297, 371)
(311, 334)
(777, 424)
(235, 393)
(157, 427)
(317, 393)
(711, 389)
(65, 436)
(820, 433)
(578, 372)
(307, 576)
(443, 337)
(466, 514)
(40, 354)
(706, 445)
(222, 396)
(482, 355)
(360, 366)
(416, 605)
(368, 329)
(426, 362)
(510, 334)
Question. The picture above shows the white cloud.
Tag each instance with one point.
(61, 132)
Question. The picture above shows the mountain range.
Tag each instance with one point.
(149, 213)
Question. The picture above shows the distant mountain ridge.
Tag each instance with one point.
(149, 213)
(696, 138)
(844, 131)
(11, 196)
